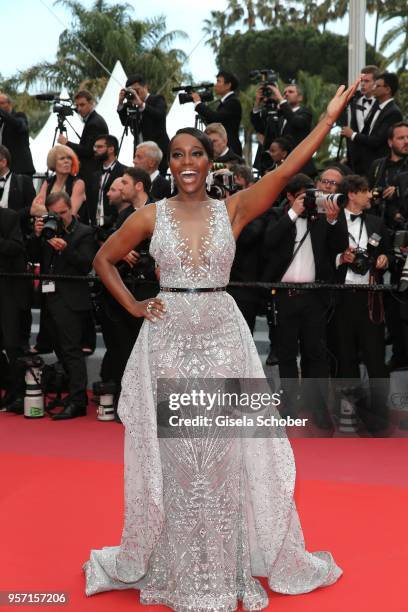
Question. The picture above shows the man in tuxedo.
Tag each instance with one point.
(228, 112)
(14, 134)
(296, 249)
(222, 152)
(145, 114)
(16, 190)
(67, 302)
(120, 329)
(329, 180)
(148, 157)
(293, 120)
(357, 319)
(359, 109)
(94, 126)
(97, 205)
(388, 180)
(371, 142)
(14, 297)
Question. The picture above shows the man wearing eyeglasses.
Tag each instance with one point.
(329, 180)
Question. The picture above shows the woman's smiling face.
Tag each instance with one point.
(189, 164)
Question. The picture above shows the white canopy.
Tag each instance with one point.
(179, 116)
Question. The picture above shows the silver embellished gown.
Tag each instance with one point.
(202, 517)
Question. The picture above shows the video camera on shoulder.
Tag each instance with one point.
(204, 90)
(315, 201)
(53, 226)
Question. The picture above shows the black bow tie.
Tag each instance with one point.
(3, 179)
(353, 217)
(106, 170)
(367, 101)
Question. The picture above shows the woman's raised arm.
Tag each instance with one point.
(252, 202)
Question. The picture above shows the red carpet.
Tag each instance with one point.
(61, 494)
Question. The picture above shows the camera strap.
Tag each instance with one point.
(359, 236)
(296, 251)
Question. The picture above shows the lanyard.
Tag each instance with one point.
(359, 236)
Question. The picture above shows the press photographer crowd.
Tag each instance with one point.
(346, 223)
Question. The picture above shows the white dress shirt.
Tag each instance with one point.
(302, 269)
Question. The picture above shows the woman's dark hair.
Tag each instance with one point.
(200, 136)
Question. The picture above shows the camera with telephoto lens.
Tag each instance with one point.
(315, 200)
(53, 226)
(203, 90)
(266, 77)
(365, 259)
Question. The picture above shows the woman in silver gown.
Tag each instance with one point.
(203, 516)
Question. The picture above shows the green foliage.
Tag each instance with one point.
(287, 50)
(110, 33)
(402, 95)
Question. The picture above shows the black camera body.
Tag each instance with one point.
(204, 90)
(53, 226)
(266, 77)
(222, 184)
(62, 110)
(365, 259)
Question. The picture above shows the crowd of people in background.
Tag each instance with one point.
(306, 237)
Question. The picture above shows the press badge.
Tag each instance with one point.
(48, 287)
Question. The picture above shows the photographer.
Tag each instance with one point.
(297, 249)
(14, 134)
(14, 298)
(98, 207)
(145, 114)
(94, 126)
(228, 111)
(293, 121)
(120, 329)
(382, 177)
(63, 245)
(358, 322)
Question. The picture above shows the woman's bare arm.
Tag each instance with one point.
(137, 227)
(252, 202)
(78, 196)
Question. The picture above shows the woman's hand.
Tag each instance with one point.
(151, 309)
(340, 100)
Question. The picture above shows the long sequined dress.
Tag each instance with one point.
(202, 517)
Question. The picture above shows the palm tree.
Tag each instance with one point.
(378, 7)
(101, 35)
(216, 29)
(397, 9)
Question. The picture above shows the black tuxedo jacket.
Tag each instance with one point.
(76, 260)
(341, 241)
(228, 113)
(87, 212)
(297, 127)
(16, 139)
(229, 158)
(152, 124)
(279, 244)
(161, 188)
(21, 195)
(14, 293)
(365, 148)
(94, 126)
